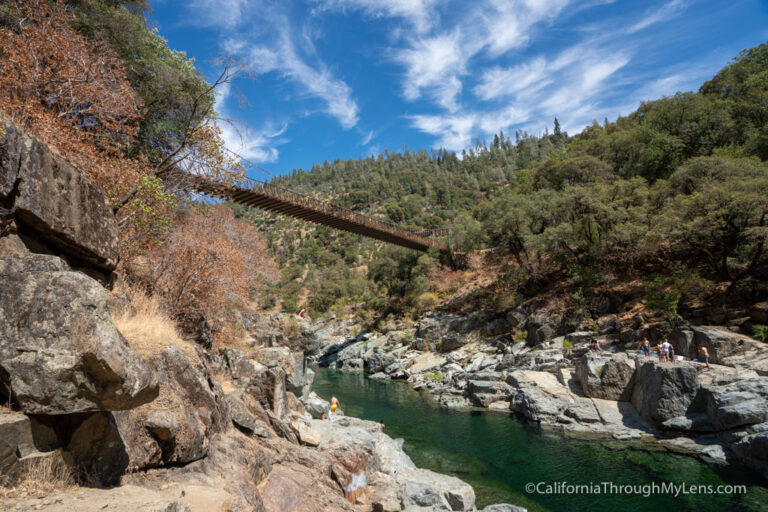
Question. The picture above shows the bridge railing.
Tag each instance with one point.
(227, 189)
(335, 210)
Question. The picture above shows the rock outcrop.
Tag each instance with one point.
(54, 203)
(60, 353)
(607, 377)
(665, 391)
(177, 427)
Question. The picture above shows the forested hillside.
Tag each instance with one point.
(677, 188)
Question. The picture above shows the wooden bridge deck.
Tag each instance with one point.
(285, 202)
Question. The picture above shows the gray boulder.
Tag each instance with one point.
(753, 451)
(316, 406)
(723, 344)
(737, 404)
(664, 391)
(353, 365)
(54, 203)
(607, 377)
(16, 442)
(247, 414)
(60, 353)
(542, 327)
(424, 488)
(177, 427)
(503, 507)
(682, 340)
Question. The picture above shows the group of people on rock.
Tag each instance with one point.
(664, 349)
(666, 352)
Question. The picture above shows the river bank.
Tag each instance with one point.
(718, 412)
(498, 453)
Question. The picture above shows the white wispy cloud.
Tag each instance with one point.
(465, 63)
(435, 64)
(457, 131)
(284, 56)
(259, 146)
(656, 15)
(420, 13)
(368, 138)
(224, 14)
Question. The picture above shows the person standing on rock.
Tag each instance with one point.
(646, 348)
(704, 355)
(659, 349)
(665, 350)
(334, 404)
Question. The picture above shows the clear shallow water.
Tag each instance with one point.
(498, 454)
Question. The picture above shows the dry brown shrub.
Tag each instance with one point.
(148, 328)
(40, 476)
(212, 264)
(71, 92)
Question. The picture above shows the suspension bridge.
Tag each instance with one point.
(267, 196)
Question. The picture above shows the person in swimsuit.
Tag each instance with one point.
(646, 348)
(659, 350)
(334, 404)
(704, 355)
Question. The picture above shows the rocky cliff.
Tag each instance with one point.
(181, 430)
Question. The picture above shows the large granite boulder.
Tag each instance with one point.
(16, 442)
(664, 391)
(424, 488)
(737, 404)
(725, 346)
(753, 451)
(542, 326)
(247, 414)
(60, 353)
(538, 396)
(177, 427)
(53, 202)
(608, 377)
(316, 406)
(269, 389)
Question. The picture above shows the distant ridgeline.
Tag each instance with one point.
(681, 180)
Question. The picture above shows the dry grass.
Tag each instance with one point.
(146, 326)
(40, 476)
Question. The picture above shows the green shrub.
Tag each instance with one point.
(435, 377)
(657, 299)
(520, 336)
(427, 300)
(760, 332)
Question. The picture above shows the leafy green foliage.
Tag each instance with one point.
(173, 89)
(658, 298)
(760, 332)
(681, 182)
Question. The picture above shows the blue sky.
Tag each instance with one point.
(349, 78)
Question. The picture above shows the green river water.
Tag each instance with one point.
(498, 454)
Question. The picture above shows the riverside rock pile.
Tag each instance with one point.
(234, 430)
(553, 378)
